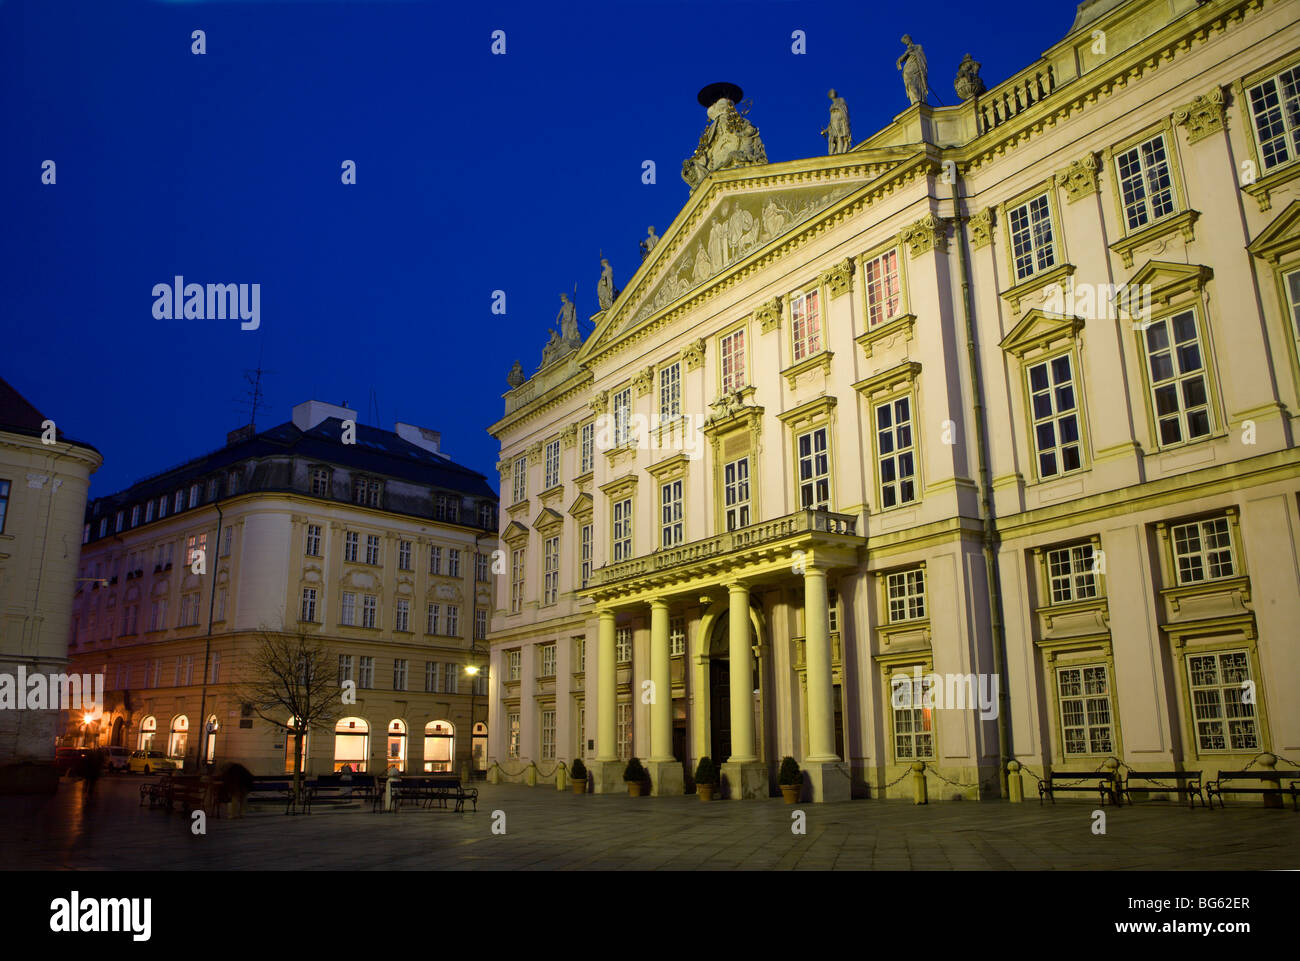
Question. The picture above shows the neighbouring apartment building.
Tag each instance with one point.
(1001, 398)
(373, 542)
(44, 477)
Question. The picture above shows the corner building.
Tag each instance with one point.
(1007, 392)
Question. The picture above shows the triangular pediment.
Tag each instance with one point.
(1279, 238)
(581, 506)
(514, 532)
(546, 518)
(1165, 279)
(733, 218)
(1040, 328)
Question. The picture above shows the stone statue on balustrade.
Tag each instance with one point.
(915, 72)
(836, 131)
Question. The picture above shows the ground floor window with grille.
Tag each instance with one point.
(1223, 712)
(548, 735)
(512, 735)
(913, 720)
(1084, 693)
(624, 731)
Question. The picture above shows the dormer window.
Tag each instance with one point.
(366, 492)
(320, 482)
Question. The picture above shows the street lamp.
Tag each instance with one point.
(472, 669)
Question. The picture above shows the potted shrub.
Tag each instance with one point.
(578, 775)
(706, 778)
(791, 780)
(635, 776)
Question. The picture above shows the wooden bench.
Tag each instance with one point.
(190, 791)
(272, 789)
(332, 788)
(1057, 781)
(155, 792)
(1216, 787)
(431, 790)
(1189, 782)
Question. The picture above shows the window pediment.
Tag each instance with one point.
(547, 518)
(1041, 329)
(515, 533)
(889, 380)
(1279, 238)
(810, 414)
(1182, 223)
(581, 506)
(670, 468)
(1168, 280)
(624, 486)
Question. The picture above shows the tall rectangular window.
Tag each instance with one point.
(148, 511)
(513, 661)
(345, 668)
(1145, 183)
(227, 539)
(1293, 300)
(366, 677)
(348, 612)
(308, 604)
(432, 618)
(135, 516)
(517, 580)
(480, 624)
(806, 324)
(521, 479)
(622, 530)
(1203, 550)
(552, 464)
(453, 562)
(622, 407)
(884, 288)
(450, 678)
(670, 391)
(1275, 108)
(480, 567)
(731, 350)
(313, 540)
(585, 543)
(913, 730)
(194, 495)
(895, 447)
(587, 446)
(179, 504)
(453, 620)
(1032, 246)
(4, 504)
(512, 735)
(402, 615)
(320, 482)
(623, 645)
(676, 636)
(1176, 367)
(1224, 717)
(430, 677)
(548, 660)
(551, 569)
(1071, 573)
(372, 549)
(624, 731)
(214, 668)
(814, 470)
(369, 605)
(735, 493)
(435, 560)
(162, 509)
(671, 527)
(399, 673)
(548, 735)
(403, 555)
(1055, 413)
(1084, 693)
(906, 595)
(350, 546)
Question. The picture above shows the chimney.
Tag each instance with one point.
(310, 413)
(422, 437)
(239, 435)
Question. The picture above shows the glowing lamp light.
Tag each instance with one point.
(471, 669)
(87, 718)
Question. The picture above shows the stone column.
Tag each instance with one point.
(665, 771)
(606, 770)
(745, 776)
(829, 780)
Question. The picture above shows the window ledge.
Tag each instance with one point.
(882, 335)
(1018, 292)
(1263, 188)
(821, 359)
(1181, 222)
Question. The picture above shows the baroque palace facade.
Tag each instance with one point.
(372, 542)
(1006, 392)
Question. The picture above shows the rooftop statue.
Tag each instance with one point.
(606, 293)
(553, 349)
(836, 131)
(516, 376)
(912, 63)
(729, 140)
(968, 83)
(568, 320)
(648, 244)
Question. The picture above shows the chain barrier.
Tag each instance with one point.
(930, 770)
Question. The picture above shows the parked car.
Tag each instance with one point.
(151, 762)
(118, 758)
(66, 758)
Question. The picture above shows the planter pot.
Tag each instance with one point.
(705, 791)
(791, 792)
(634, 788)
(579, 787)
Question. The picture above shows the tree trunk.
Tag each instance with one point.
(297, 768)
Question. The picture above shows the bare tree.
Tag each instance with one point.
(289, 675)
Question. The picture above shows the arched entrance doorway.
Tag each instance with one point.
(351, 744)
(148, 731)
(720, 689)
(118, 737)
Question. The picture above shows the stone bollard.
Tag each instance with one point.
(532, 774)
(1015, 786)
(918, 782)
(388, 793)
(1274, 798)
(494, 773)
(1111, 767)
(561, 778)
(464, 772)
(209, 798)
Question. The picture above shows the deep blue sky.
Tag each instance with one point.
(475, 172)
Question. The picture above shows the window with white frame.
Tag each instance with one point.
(622, 408)
(372, 549)
(513, 661)
(345, 668)
(320, 482)
(624, 731)
(1275, 108)
(670, 391)
(158, 615)
(118, 521)
(348, 612)
(403, 555)
(148, 512)
(548, 660)
(579, 654)
(1072, 573)
(913, 728)
(587, 447)
(480, 624)
(1176, 367)
(453, 562)
(735, 493)
(548, 735)
(369, 607)
(227, 539)
(1055, 412)
(1145, 183)
(366, 492)
(906, 594)
(884, 288)
(521, 478)
(453, 620)
(214, 668)
(623, 645)
(551, 569)
(1084, 693)
(731, 351)
(162, 508)
(676, 636)
(430, 677)
(832, 610)
(814, 470)
(485, 517)
(178, 504)
(402, 615)
(1223, 714)
(366, 675)
(622, 529)
(670, 520)
(350, 540)
(517, 580)
(432, 618)
(194, 495)
(313, 540)
(308, 604)
(584, 540)
(399, 673)
(806, 324)
(896, 452)
(232, 483)
(135, 516)
(212, 489)
(1032, 246)
(512, 735)
(480, 567)
(435, 560)
(552, 464)
(1203, 550)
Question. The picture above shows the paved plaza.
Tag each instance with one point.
(550, 830)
